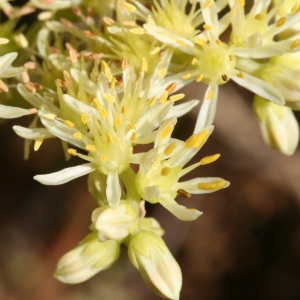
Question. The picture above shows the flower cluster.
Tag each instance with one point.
(103, 77)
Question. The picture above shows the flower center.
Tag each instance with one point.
(176, 20)
(215, 63)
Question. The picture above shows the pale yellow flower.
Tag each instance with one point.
(152, 258)
(162, 167)
(278, 125)
(87, 259)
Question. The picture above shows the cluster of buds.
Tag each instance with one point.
(103, 77)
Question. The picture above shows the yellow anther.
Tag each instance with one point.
(242, 3)
(77, 135)
(206, 4)
(240, 75)
(155, 50)
(144, 64)
(200, 41)
(37, 143)
(194, 60)
(109, 138)
(137, 30)
(109, 21)
(162, 72)
(103, 157)
(164, 97)
(234, 42)
(166, 131)
(169, 149)
(117, 121)
(219, 42)
(281, 21)
(72, 151)
(133, 136)
(295, 44)
(90, 148)
(181, 43)
(199, 78)
(177, 97)
(109, 98)
(129, 7)
(259, 17)
(50, 116)
(170, 88)
(165, 171)
(108, 74)
(68, 123)
(124, 110)
(97, 103)
(132, 126)
(129, 23)
(190, 141)
(209, 159)
(209, 95)
(84, 118)
(103, 112)
(207, 27)
(112, 83)
(211, 186)
(151, 101)
(201, 138)
(295, 8)
(183, 193)
(186, 76)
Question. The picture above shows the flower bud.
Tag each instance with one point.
(283, 73)
(150, 224)
(152, 258)
(278, 125)
(114, 223)
(85, 260)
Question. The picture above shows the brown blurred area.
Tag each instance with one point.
(246, 245)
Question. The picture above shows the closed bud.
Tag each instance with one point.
(115, 223)
(278, 125)
(85, 260)
(152, 258)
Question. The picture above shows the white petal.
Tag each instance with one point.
(208, 109)
(210, 16)
(264, 51)
(181, 109)
(6, 60)
(169, 38)
(190, 186)
(181, 212)
(64, 175)
(11, 112)
(11, 72)
(259, 87)
(113, 189)
(32, 133)
(29, 97)
(152, 118)
(79, 107)
(61, 131)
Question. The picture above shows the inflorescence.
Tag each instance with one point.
(104, 78)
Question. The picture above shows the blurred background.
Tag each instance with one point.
(246, 245)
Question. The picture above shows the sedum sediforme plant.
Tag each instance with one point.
(104, 78)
